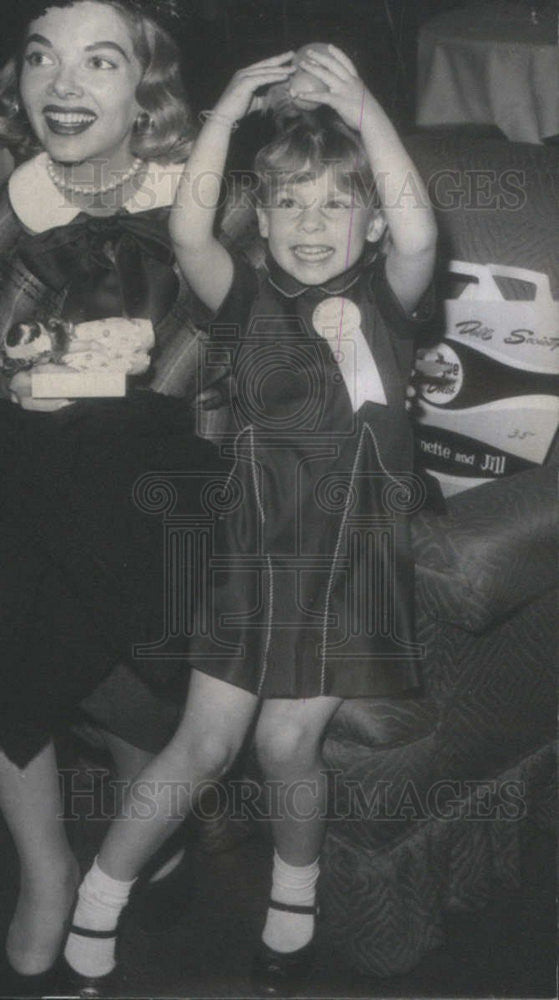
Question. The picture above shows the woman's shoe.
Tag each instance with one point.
(283, 974)
(40, 984)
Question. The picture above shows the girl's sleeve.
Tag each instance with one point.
(231, 319)
(226, 327)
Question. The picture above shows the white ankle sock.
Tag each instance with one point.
(295, 886)
(101, 900)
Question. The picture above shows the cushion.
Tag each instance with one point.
(494, 551)
(383, 721)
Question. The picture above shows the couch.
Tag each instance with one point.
(446, 780)
(432, 793)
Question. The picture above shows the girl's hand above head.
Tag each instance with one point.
(239, 99)
(21, 392)
(345, 92)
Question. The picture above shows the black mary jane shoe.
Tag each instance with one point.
(283, 974)
(39, 985)
(74, 984)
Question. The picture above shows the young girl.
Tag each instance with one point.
(320, 342)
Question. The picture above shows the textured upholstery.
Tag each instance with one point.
(435, 824)
(385, 907)
(383, 721)
(476, 569)
(494, 200)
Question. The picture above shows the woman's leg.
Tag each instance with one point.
(289, 740)
(31, 802)
(209, 736)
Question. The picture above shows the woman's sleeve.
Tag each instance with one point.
(188, 363)
(10, 226)
(415, 325)
(9, 232)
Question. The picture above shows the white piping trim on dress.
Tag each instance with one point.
(260, 506)
(300, 291)
(366, 427)
(269, 563)
(270, 618)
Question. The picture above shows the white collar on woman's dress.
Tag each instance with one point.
(40, 206)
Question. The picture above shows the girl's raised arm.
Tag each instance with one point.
(203, 260)
(405, 202)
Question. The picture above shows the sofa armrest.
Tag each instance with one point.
(494, 550)
(383, 722)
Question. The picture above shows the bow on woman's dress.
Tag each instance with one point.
(115, 265)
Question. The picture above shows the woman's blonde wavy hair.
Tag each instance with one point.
(164, 132)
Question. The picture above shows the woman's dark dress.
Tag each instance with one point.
(80, 564)
(312, 584)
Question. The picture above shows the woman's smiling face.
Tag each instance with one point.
(78, 83)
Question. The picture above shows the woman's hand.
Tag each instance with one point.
(20, 391)
(238, 98)
(346, 92)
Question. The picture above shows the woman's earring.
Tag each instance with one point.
(144, 122)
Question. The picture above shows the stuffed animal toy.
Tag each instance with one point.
(114, 344)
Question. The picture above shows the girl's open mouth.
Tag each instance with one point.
(68, 121)
(312, 254)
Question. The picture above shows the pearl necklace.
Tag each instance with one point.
(65, 185)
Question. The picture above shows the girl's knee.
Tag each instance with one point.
(209, 755)
(288, 747)
(213, 726)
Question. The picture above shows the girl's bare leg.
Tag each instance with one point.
(129, 761)
(205, 745)
(289, 740)
(31, 803)
(208, 739)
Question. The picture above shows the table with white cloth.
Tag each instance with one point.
(495, 63)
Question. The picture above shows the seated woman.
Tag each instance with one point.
(93, 104)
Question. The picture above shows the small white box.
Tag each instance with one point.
(77, 385)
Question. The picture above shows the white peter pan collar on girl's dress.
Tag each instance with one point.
(40, 206)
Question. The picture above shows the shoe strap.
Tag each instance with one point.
(312, 911)
(89, 933)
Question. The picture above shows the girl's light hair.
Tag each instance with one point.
(165, 132)
(310, 144)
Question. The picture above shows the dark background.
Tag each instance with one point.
(220, 36)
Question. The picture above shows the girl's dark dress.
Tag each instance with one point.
(81, 565)
(312, 585)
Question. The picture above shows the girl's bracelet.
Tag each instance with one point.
(216, 116)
